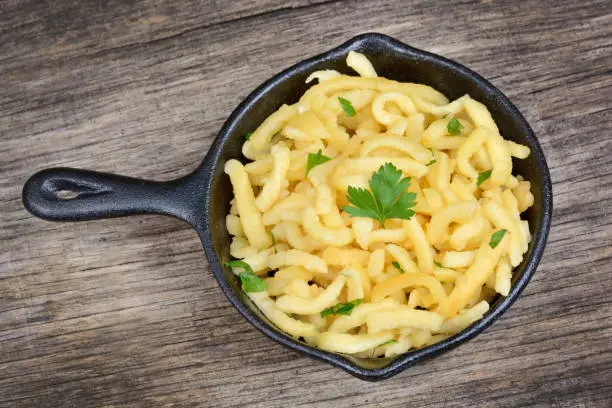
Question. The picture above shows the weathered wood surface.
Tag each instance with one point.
(124, 312)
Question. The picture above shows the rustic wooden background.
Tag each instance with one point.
(124, 312)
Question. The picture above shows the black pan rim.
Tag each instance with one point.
(406, 360)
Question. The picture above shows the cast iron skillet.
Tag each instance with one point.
(201, 198)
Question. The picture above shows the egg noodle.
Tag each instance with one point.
(392, 273)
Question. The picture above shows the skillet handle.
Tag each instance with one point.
(65, 194)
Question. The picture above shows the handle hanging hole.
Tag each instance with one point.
(66, 190)
(67, 194)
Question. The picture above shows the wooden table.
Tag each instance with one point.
(124, 312)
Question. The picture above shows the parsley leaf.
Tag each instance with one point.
(273, 238)
(347, 107)
(250, 281)
(237, 263)
(247, 135)
(433, 158)
(439, 265)
(496, 238)
(454, 127)
(342, 308)
(483, 176)
(397, 266)
(387, 199)
(314, 159)
(386, 343)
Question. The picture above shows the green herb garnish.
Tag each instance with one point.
(386, 343)
(439, 265)
(397, 266)
(247, 135)
(388, 198)
(250, 281)
(273, 238)
(347, 107)
(454, 127)
(496, 238)
(483, 176)
(314, 159)
(342, 308)
(433, 158)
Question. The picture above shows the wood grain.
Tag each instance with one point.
(125, 312)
